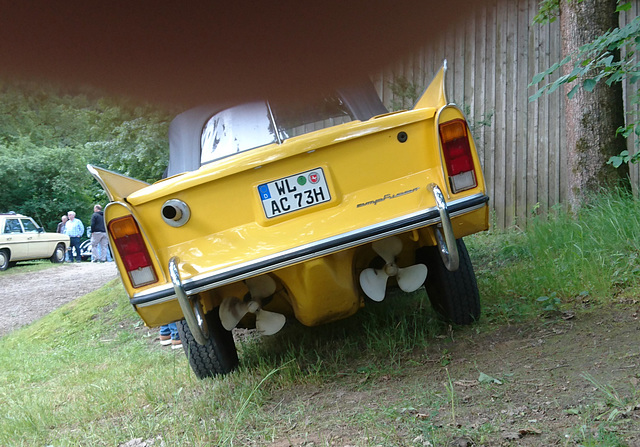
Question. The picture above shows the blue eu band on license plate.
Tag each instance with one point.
(294, 193)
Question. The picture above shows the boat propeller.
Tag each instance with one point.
(232, 310)
(374, 281)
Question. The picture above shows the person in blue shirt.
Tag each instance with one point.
(74, 229)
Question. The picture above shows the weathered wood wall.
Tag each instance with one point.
(491, 61)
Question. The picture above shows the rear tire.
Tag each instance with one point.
(4, 259)
(58, 254)
(454, 295)
(217, 356)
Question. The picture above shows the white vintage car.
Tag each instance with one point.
(21, 239)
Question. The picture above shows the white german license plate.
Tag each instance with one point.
(294, 193)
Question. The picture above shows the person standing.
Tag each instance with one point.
(74, 229)
(169, 336)
(63, 221)
(99, 241)
(61, 229)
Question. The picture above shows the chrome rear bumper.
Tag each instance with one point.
(439, 215)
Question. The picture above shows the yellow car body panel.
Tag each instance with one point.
(434, 95)
(378, 173)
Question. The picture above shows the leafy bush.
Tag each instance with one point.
(49, 135)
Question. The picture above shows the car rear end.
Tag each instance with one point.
(372, 180)
(306, 211)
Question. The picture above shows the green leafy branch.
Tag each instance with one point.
(596, 62)
(405, 93)
(548, 12)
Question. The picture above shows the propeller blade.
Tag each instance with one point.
(232, 309)
(231, 312)
(268, 323)
(388, 248)
(411, 278)
(374, 283)
(261, 286)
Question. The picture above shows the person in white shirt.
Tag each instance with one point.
(74, 229)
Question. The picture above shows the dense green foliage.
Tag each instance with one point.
(596, 62)
(49, 135)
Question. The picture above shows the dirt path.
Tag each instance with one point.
(25, 297)
(542, 393)
(542, 383)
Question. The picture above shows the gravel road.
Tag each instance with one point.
(25, 297)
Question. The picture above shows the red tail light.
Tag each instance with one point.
(132, 250)
(457, 155)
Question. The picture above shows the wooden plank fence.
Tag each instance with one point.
(491, 61)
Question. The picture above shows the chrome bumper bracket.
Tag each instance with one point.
(447, 242)
(194, 317)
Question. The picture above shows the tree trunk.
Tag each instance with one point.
(591, 117)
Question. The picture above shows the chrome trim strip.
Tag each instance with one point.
(316, 249)
(272, 118)
(163, 299)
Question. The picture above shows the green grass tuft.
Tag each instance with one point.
(586, 258)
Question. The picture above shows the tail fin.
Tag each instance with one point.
(434, 95)
(116, 186)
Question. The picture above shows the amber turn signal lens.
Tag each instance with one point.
(123, 227)
(452, 130)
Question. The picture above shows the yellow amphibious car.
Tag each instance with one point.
(272, 211)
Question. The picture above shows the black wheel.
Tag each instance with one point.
(58, 254)
(217, 356)
(4, 259)
(454, 295)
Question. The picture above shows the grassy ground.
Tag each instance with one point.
(30, 266)
(553, 361)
